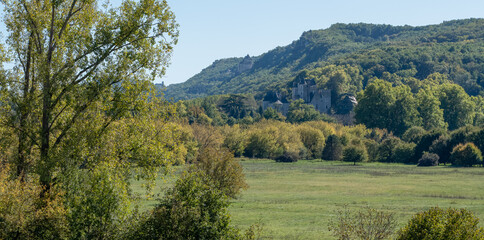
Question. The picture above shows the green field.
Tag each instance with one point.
(296, 200)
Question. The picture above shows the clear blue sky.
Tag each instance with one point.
(215, 29)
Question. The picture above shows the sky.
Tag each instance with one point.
(216, 29)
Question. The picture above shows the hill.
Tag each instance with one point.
(400, 54)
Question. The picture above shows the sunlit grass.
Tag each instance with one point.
(296, 200)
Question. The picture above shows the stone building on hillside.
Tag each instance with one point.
(246, 64)
(276, 101)
(307, 90)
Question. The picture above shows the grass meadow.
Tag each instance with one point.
(297, 200)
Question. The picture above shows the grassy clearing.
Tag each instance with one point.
(296, 200)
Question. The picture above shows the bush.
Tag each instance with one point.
(428, 160)
(222, 169)
(363, 224)
(437, 223)
(25, 215)
(355, 154)
(288, 157)
(313, 140)
(466, 155)
(192, 209)
(333, 149)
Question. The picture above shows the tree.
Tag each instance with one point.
(355, 154)
(75, 61)
(382, 106)
(375, 105)
(457, 105)
(362, 224)
(429, 109)
(333, 149)
(301, 112)
(466, 155)
(313, 139)
(438, 223)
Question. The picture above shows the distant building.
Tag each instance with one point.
(307, 90)
(246, 64)
(275, 101)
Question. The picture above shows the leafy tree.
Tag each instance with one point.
(271, 113)
(192, 209)
(404, 112)
(429, 109)
(362, 224)
(375, 105)
(74, 61)
(413, 134)
(382, 106)
(333, 150)
(238, 106)
(354, 154)
(466, 155)
(222, 170)
(235, 140)
(428, 159)
(438, 223)
(301, 112)
(386, 149)
(313, 139)
(457, 105)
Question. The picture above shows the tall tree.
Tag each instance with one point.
(457, 105)
(74, 61)
(429, 109)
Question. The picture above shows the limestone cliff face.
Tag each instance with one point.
(246, 64)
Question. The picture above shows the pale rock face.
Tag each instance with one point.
(246, 64)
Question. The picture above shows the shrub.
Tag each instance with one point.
(363, 224)
(235, 140)
(261, 143)
(413, 134)
(313, 140)
(288, 157)
(355, 154)
(428, 160)
(192, 209)
(437, 223)
(333, 149)
(26, 215)
(403, 152)
(222, 169)
(466, 155)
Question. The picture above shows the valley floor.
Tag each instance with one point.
(297, 200)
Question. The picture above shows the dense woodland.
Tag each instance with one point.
(399, 54)
(80, 119)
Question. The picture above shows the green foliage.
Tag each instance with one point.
(428, 159)
(354, 154)
(313, 139)
(466, 155)
(413, 134)
(333, 149)
(364, 224)
(271, 113)
(24, 214)
(193, 209)
(429, 109)
(235, 140)
(437, 223)
(380, 105)
(222, 170)
(301, 112)
(346, 56)
(457, 106)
